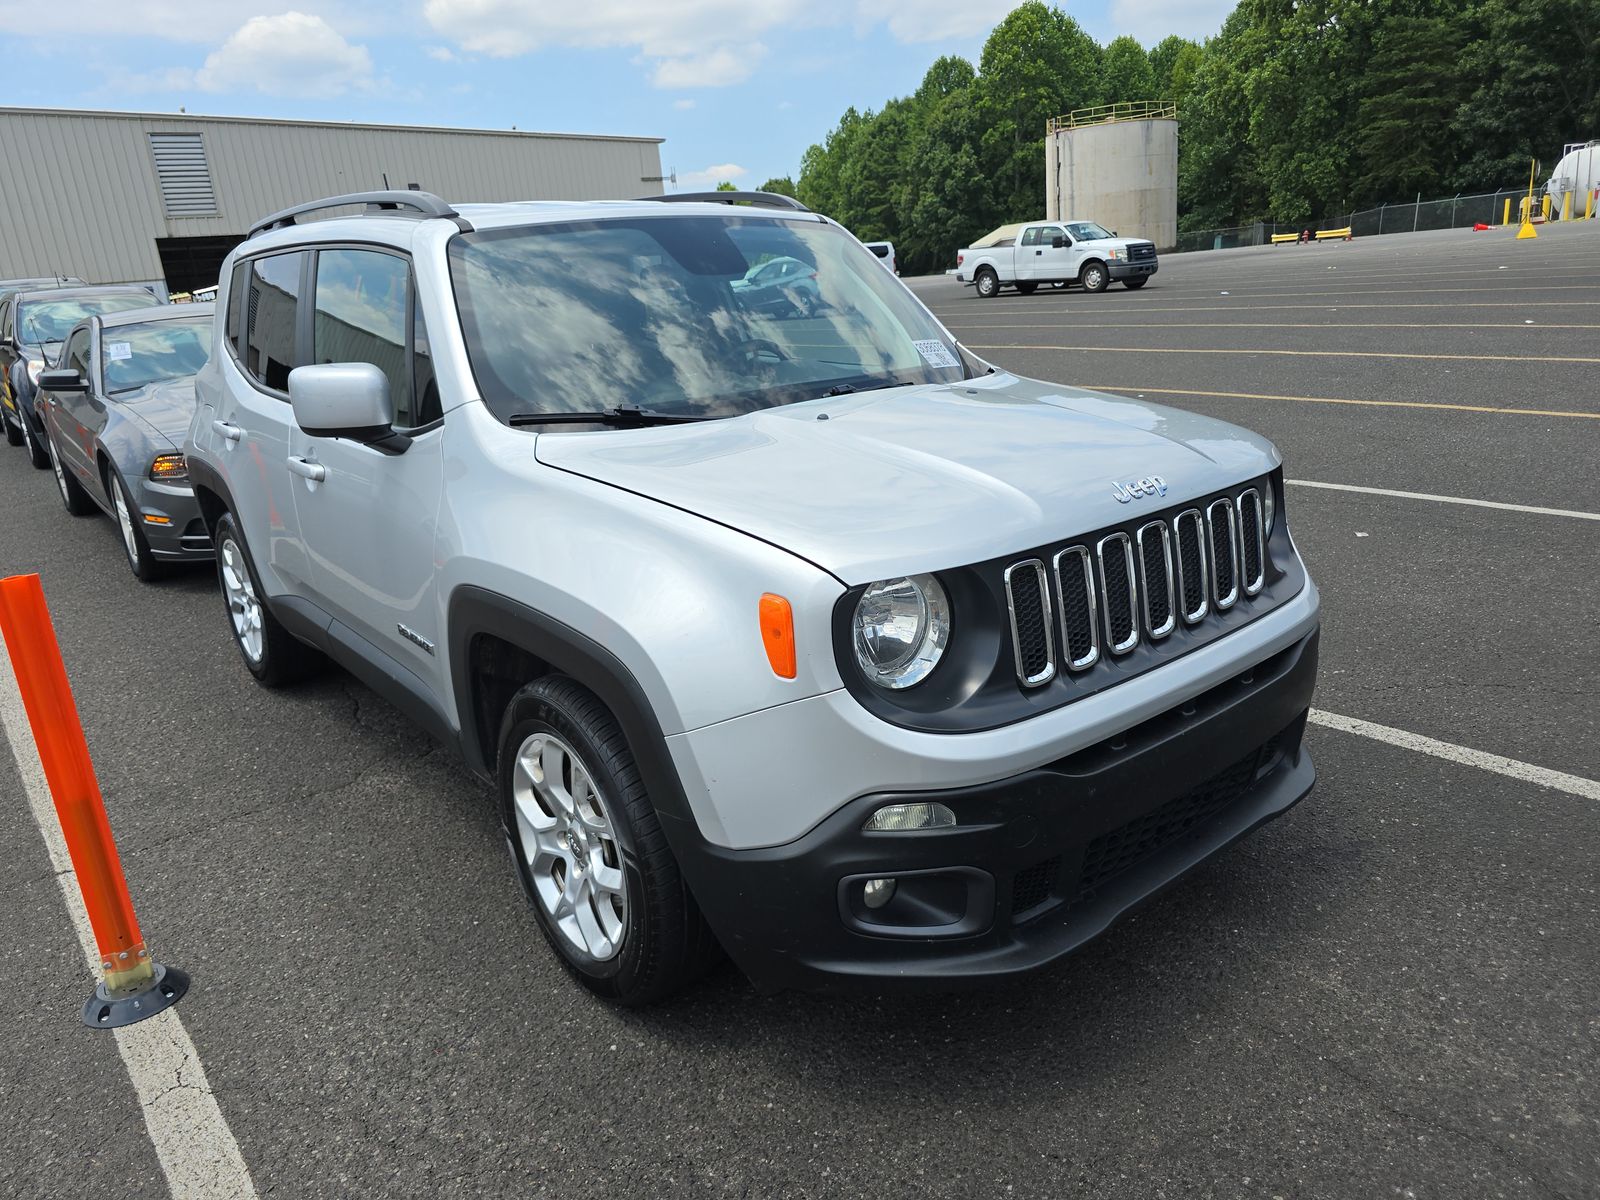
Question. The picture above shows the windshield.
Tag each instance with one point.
(1086, 231)
(688, 315)
(50, 320)
(132, 356)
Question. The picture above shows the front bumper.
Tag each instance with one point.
(1122, 269)
(1037, 864)
(177, 533)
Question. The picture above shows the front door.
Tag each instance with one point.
(1054, 257)
(368, 521)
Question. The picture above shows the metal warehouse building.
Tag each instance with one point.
(156, 198)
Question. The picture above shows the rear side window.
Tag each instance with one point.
(879, 249)
(237, 287)
(270, 318)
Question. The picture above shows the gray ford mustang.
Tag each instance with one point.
(116, 409)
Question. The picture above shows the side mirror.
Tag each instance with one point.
(1058, 243)
(345, 400)
(1114, 233)
(62, 379)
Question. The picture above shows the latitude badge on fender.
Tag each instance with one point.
(1149, 485)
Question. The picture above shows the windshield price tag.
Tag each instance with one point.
(117, 351)
(935, 354)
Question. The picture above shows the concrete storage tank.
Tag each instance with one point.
(1116, 164)
(1577, 173)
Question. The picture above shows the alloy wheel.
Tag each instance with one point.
(244, 608)
(570, 846)
(130, 539)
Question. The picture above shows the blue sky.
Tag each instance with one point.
(739, 88)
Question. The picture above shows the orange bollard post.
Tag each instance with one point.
(134, 986)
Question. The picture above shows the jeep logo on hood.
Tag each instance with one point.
(1127, 490)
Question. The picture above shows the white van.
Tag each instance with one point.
(885, 251)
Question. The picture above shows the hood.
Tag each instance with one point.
(1114, 243)
(917, 479)
(167, 407)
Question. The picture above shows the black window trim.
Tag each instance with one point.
(242, 301)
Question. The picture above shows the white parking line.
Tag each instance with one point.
(1573, 785)
(197, 1150)
(1522, 508)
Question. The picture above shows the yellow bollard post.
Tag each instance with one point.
(1566, 206)
(1588, 206)
(1544, 206)
(1506, 219)
(1527, 230)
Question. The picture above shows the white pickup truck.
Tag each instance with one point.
(1059, 252)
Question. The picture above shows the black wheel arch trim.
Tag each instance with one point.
(474, 612)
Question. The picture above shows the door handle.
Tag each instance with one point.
(232, 433)
(307, 469)
(1038, 252)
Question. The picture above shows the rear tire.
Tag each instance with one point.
(1094, 276)
(589, 850)
(13, 433)
(272, 654)
(1027, 289)
(79, 503)
(987, 283)
(1133, 285)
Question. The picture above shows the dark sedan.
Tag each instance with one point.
(32, 327)
(116, 411)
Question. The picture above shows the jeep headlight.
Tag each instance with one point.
(1269, 507)
(900, 630)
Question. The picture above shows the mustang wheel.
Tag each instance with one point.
(144, 564)
(273, 654)
(589, 850)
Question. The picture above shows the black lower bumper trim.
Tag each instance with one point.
(1036, 865)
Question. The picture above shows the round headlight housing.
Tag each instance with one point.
(900, 629)
(1268, 507)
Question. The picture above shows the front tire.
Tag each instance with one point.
(987, 284)
(13, 432)
(1094, 277)
(1134, 284)
(589, 849)
(36, 453)
(141, 561)
(78, 502)
(272, 654)
(1027, 289)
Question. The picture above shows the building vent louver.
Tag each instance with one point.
(183, 174)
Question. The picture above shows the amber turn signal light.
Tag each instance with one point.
(777, 634)
(169, 466)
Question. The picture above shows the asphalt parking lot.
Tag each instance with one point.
(1392, 991)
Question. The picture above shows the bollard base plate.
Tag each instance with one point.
(105, 1011)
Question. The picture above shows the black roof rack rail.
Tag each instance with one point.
(759, 199)
(423, 204)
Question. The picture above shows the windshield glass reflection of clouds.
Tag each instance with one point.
(51, 320)
(710, 316)
(132, 356)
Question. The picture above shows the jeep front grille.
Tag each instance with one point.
(1028, 599)
(1107, 595)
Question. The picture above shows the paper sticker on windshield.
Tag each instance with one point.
(935, 354)
(117, 351)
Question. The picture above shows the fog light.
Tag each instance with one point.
(904, 818)
(877, 892)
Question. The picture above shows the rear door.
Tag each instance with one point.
(369, 521)
(253, 418)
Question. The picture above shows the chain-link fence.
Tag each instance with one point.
(1451, 212)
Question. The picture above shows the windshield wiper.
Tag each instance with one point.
(622, 414)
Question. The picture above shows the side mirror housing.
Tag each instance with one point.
(345, 400)
(1058, 243)
(62, 379)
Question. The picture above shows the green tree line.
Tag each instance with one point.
(1295, 110)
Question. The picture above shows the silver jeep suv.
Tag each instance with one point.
(790, 629)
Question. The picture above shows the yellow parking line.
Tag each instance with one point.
(1520, 412)
(1529, 358)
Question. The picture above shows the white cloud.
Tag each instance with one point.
(933, 20)
(714, 68)
(292, 54)
(182, 20)
(683, 105)
(713, 175)
(1152, 20)
(443, 54)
